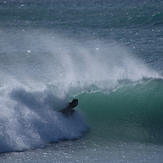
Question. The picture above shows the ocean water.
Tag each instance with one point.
(107, 54)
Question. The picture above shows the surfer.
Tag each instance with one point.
(69, 109)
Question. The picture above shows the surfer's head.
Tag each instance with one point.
(74, 103)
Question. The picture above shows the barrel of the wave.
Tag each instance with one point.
(133, 112)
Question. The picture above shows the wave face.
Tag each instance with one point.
(133, 112)
(41, 71)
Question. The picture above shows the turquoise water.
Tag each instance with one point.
(108, 54)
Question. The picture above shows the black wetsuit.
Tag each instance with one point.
(69, 109)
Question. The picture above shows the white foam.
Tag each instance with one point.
(29, 119)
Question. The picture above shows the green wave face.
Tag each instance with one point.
(132, 112)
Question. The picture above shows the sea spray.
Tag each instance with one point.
(43, 58)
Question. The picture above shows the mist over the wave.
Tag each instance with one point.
(38, 59)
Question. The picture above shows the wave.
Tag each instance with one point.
(131, 112)
(47, 70)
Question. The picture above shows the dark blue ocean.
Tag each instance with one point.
(107, 54)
